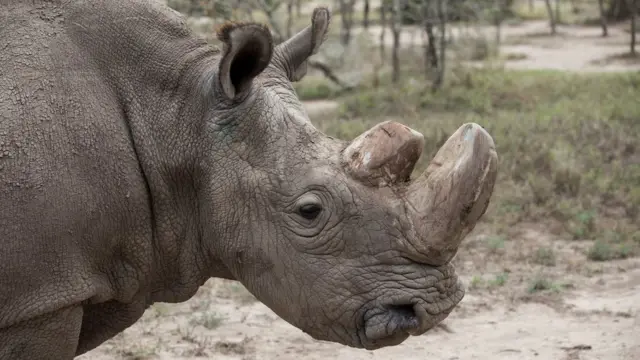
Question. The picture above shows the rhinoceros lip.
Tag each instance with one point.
(390, 325)
(394, 331)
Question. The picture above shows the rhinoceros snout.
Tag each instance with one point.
(411, 315)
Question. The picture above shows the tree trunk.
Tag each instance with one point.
(442, 17)
(430, 55)
(365, 17)
(277, 37)
(298, 8)
(531, 8)
(395, 29)
(289, 17)
(383, 30)
(498, 24)
(558, 17)
(193, 6)
(552, 20)
(633, 8)
(619, 10)
(603, 18)
(498, 18)
(346, 14)
(412, 39)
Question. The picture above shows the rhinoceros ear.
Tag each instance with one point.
(292, 55)
(247, 51)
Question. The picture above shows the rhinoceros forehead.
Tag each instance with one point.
(284, 102)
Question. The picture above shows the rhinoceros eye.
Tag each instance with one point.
(310, 211)
(309, 206)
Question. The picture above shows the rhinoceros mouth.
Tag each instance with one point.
(393, 323)
(396, 324)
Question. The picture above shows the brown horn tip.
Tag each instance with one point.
(384, 155)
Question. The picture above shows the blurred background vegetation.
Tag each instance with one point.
(566, 122)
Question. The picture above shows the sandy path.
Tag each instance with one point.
(319, 108)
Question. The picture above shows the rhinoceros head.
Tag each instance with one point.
(335, 237)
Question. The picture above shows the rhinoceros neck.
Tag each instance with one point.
(155, 65)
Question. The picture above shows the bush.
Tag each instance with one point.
(315, 88)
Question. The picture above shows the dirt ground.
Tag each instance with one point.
(593, 315)
(590, 311)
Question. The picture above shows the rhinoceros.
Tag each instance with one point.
(137, 161)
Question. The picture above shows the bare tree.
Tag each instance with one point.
(298, 8)
(552, 20)
(195, 4)
(430, 55)
(442, 18)
(634, 11)
(383, 31)
(619, 10)
(365, 15)
(346, 14)
(289, 18)
(218, 9)
(270, 7)
(603, 18)
(499, 14)
(396, 23)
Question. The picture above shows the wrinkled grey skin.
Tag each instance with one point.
(136, 162)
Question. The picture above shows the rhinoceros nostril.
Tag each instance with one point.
(404, 316)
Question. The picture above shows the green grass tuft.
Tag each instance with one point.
(316, 88)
